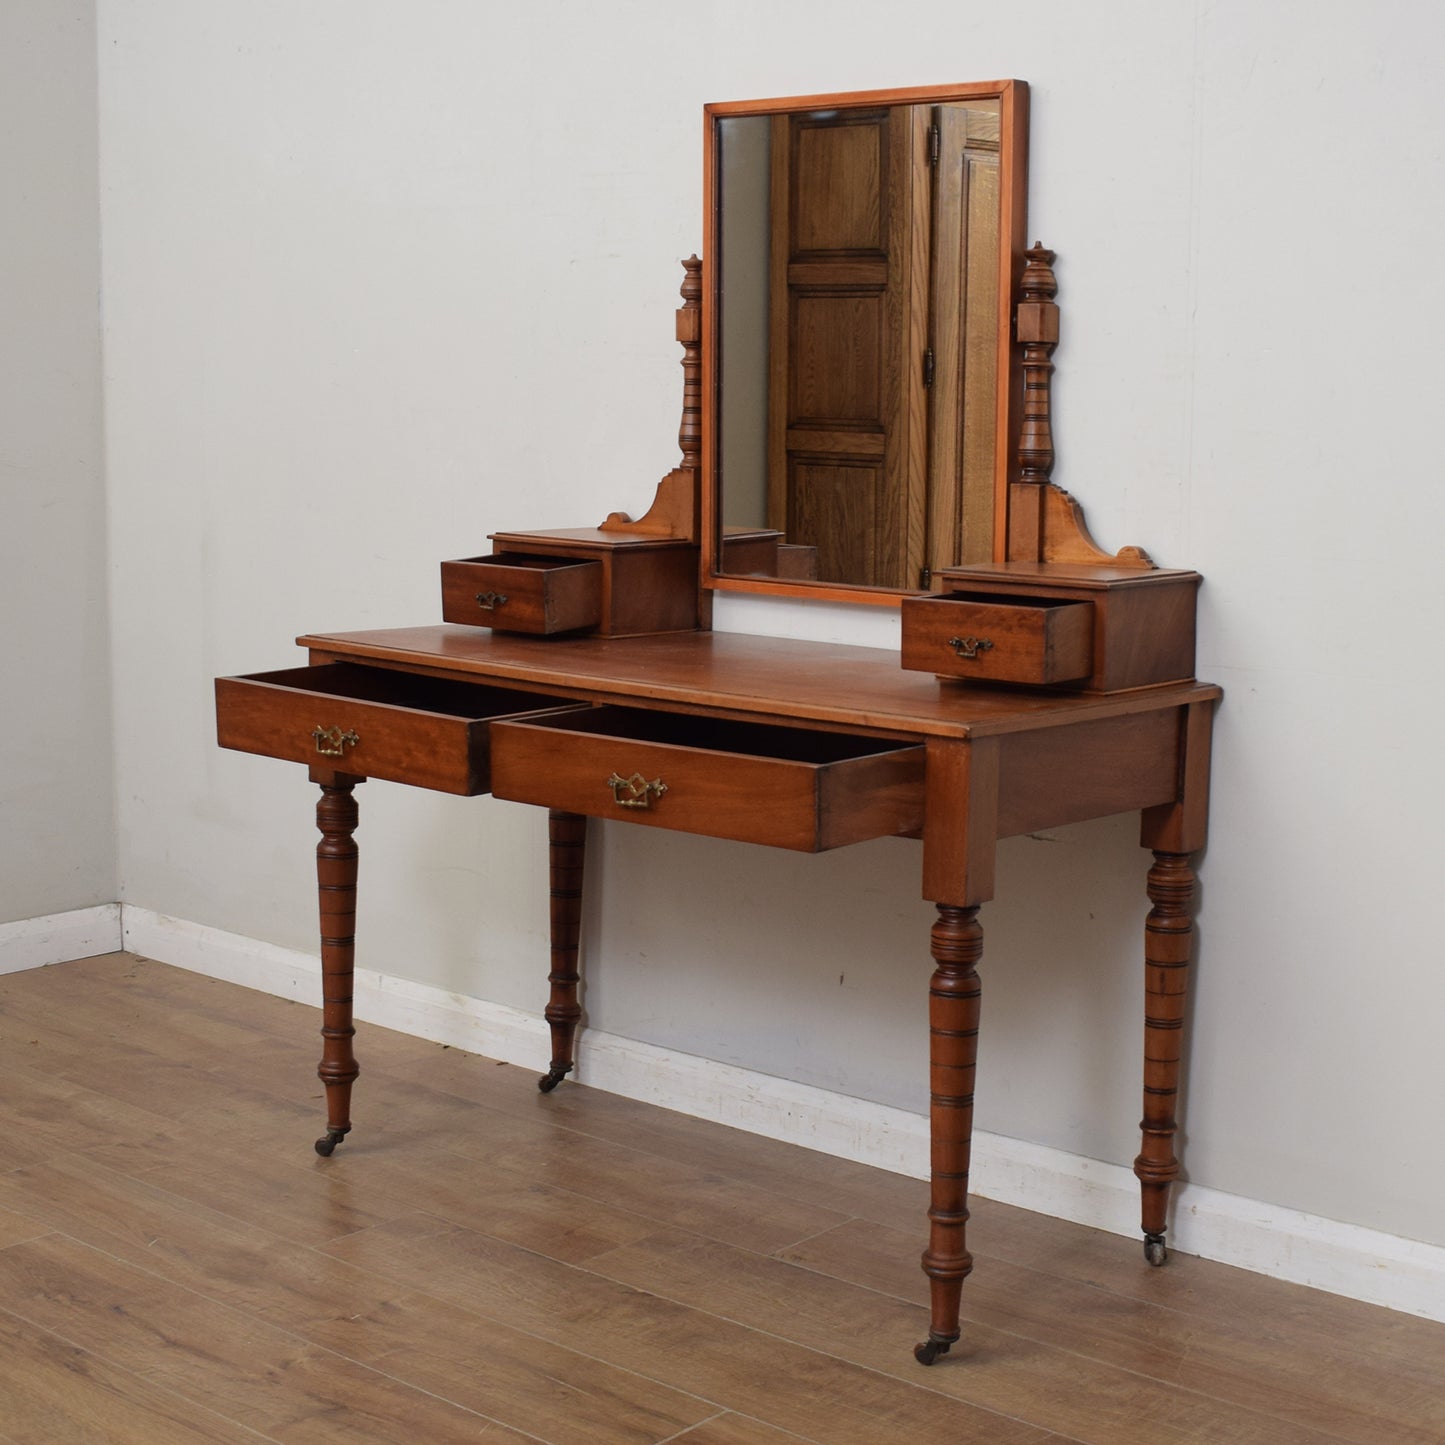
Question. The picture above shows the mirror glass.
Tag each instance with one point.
(858, 279)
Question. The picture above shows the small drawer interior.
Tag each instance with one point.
(412, 691)
(719, 735)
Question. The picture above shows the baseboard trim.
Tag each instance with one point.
(1344, 1259)
(59, 937)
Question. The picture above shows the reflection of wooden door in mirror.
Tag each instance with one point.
(962, 341)
(881, 323)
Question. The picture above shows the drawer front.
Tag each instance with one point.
(371, 722)
(996, 640)
(790, 788)
(517, 593)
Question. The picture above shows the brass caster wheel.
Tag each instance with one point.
(930, 1350)
(552, 1078)
(1154, 1249)
(328, 1142)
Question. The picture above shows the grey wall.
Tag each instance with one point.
(57, 835)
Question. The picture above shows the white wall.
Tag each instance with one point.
(57, 835)
(381, 277)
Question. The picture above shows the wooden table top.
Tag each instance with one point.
(858, 688)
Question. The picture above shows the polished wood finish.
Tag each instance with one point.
(856, 689)
(789, 744)
(165, 1280)
(953, 1014)
(426, 731)
(1143, 619)
(996, 639)
(567, 856)
(1045, 524)
(518, 593)
(649, 577)
(336, 868)
(1168, 935)
(782, 787)
(684, 733)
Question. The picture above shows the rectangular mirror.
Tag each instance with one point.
(861, 254)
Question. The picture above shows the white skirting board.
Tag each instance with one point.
(1285, 1244)
(59, 937)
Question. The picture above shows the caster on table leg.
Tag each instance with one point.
(930, 1350)
(552, 1078)
(1154, 1249)
(330, 1140)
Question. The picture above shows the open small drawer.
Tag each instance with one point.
(999, 638)
(514, 592)
(372, 722)
(753, 782)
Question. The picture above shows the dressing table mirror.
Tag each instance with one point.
(860, 259)
(1042, 682)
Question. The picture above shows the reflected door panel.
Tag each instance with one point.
(845, 470)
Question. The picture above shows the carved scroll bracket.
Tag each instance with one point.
(1046, 524)
(676, 510)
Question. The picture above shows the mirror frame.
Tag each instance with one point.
(1012, 97)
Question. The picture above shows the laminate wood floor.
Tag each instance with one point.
(481, 1262)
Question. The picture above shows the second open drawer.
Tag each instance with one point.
(757, 783)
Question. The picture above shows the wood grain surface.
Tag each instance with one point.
(490, 1264)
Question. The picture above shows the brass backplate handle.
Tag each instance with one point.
(969, 646)
(490, 601)
(636, 791)
(333, 742)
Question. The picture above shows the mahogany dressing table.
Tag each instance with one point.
(1043, 681)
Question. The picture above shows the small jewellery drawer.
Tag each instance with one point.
(757, 783)
(370, 721)
(999, 639)
(515, 592)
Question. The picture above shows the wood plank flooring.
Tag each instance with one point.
(481, 1262)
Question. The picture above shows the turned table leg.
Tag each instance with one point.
(336, 861)
(1168, 938)
(567, 850)
(953, 1011)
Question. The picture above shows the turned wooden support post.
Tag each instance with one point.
(1168, 946)
(567, 851)
(336, 866)
(689, 334)
(953, 1012)
(1038, 334)
(1175, 833)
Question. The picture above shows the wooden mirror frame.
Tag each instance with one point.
(1012, 99)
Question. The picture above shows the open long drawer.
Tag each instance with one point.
(787, 787)
(431, 732)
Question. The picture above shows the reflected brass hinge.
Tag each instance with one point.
(928, 366)
(925, 579)
(935, 145)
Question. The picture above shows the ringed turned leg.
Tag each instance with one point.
(953, 1012)
(336, 862)
(1168, 939)
(567, 850)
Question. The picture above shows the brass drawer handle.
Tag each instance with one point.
(969, 647)
(490, 601)
(636, 791)
(333, 742)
